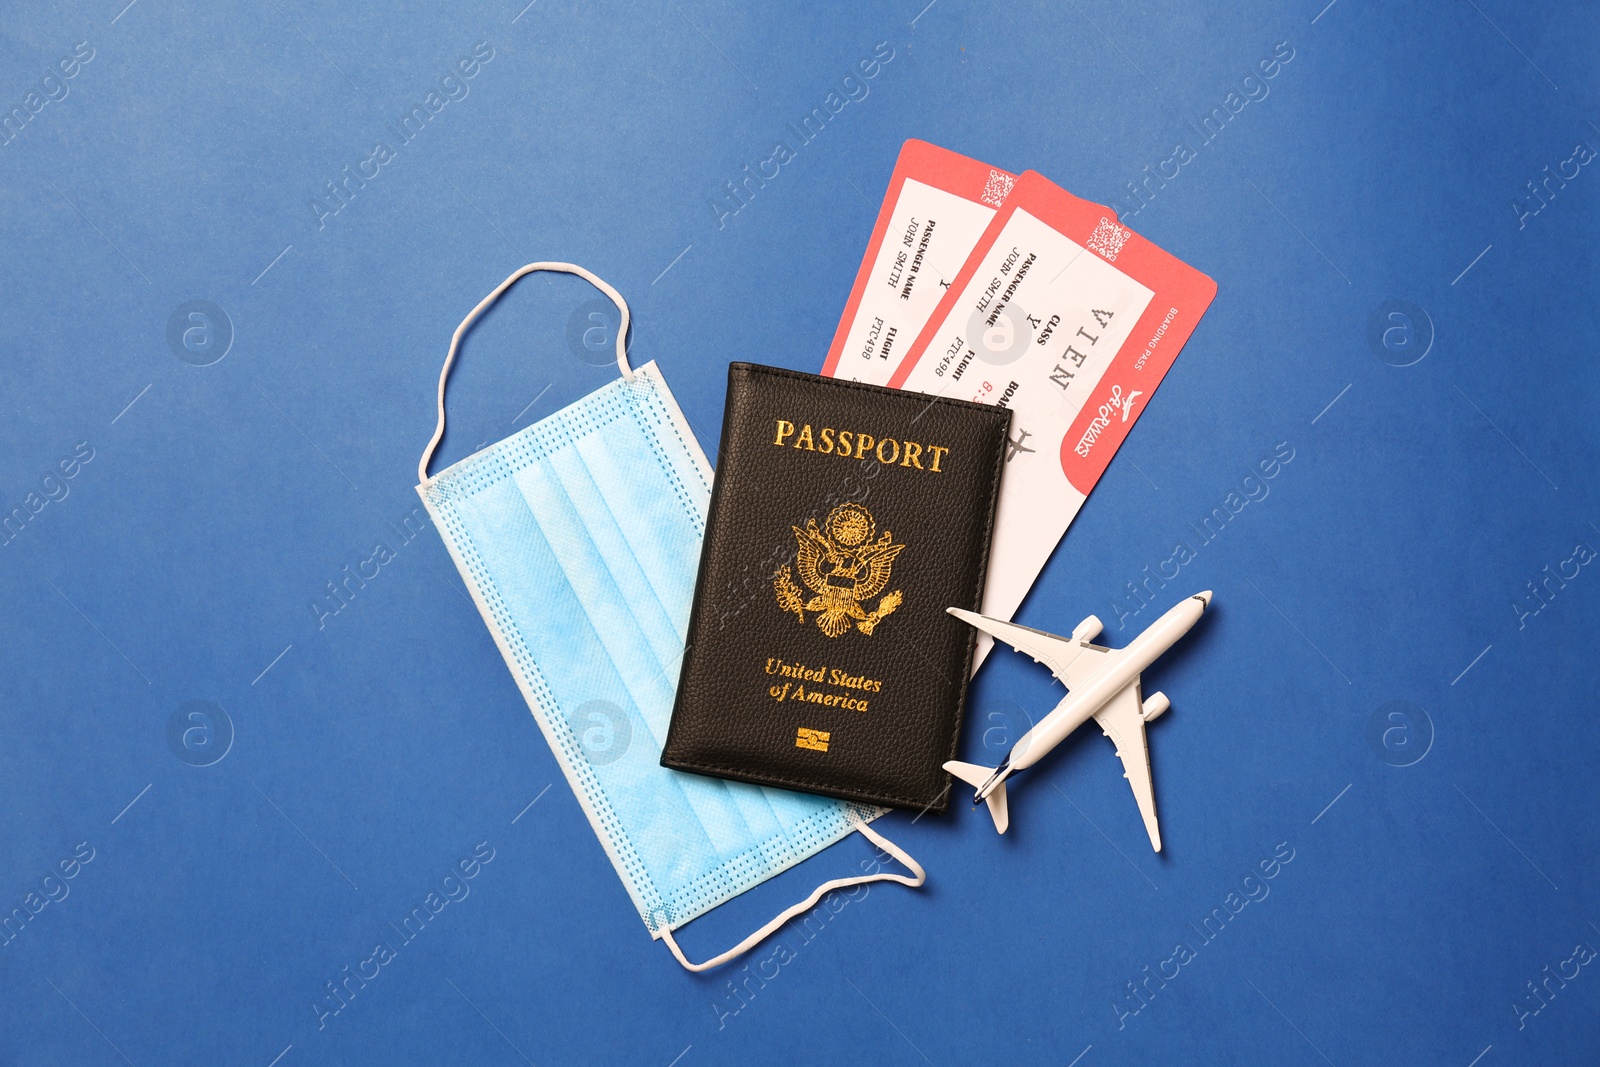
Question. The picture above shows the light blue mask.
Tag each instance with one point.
(579, 539)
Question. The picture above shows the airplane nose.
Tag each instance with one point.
(1204, 597)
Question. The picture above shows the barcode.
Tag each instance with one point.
(1108, 239)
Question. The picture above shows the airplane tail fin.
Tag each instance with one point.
(978, 776)
(997, 808)
(973, 774)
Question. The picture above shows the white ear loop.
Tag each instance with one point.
(805, 905)
(455, 339)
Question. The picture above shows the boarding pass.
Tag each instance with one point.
(936, 209)
(1070, 320)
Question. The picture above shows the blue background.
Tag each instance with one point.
(365, 752)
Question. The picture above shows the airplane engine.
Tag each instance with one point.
(1088, 629)
(1154, 705)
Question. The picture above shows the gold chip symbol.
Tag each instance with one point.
(816, 740)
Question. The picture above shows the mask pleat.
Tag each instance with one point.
(661, 534)
(614, 552)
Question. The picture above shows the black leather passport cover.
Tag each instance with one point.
(844, 519)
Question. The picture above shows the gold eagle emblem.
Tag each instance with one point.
(844, 564)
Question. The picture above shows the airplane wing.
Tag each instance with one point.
(1123, 722)
(1072, 662)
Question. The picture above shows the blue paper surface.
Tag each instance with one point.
(237, 239)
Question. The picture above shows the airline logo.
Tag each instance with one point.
(1115, 405)
(1127, 405)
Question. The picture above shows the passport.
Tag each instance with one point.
(845, 518)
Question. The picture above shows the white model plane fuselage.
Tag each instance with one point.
(1103, 684)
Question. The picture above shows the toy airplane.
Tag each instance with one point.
(1103, 683)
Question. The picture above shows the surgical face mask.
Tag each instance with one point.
(579, 538)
